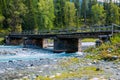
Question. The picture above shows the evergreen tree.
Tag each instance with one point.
(30, 20)
(113, 13)
(90, 4)
(78, 12)
(1, 16)
(98, 14)
(46, 14)
(69, 13)
(59, 13)
(15, 11)
(84, 10)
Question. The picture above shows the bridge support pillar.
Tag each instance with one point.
(68, 45)
(13, 41)
(43, 43)
(39, 42)
(104, 38)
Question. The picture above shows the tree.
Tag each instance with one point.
(1, 16)
(59, 13)
(30, 20)
(69, 13)
(46, 14)
(115, 14)
(15, 11)
(4, 4)
(78, 12)
(89, 12)
(84, 10)
(98, 14)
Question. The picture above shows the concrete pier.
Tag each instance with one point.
(13, 41)
(35, 42)
(68, 45)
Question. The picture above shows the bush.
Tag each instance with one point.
(106, 51)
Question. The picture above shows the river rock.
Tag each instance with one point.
(97, 69)
(98, 79)
(10, 61)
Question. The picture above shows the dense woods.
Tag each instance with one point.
(34, 15)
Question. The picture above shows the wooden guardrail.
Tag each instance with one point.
(111, 28)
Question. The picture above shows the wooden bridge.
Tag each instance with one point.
(65, 40)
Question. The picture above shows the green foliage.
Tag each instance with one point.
(88, 40)
(42, 78)
(59, 13)
(37, 15)
(98, 14)
(69, 14)
(88, 71)
(1, 18)
(113, 13)
(46, 13)
(116, 39)
(14, 12)
(106, 51)
(1, 41)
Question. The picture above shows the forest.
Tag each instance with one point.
(36, 15)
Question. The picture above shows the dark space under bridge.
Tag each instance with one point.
(67, 40)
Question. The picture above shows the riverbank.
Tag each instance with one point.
(73, 68)
(108, 51)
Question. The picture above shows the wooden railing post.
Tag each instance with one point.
(112, 29)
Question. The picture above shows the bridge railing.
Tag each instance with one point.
(111, 28)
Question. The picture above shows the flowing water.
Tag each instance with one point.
(8, 53)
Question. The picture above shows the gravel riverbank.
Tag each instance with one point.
(17, 70)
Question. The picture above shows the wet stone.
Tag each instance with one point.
(10, 61)
(97, 69)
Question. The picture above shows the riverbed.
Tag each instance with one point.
(18, 63)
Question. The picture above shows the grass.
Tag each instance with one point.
(104, 52)
(89, 71)
(107, 51)
(84, 71)
(69, 62)
(88, 40)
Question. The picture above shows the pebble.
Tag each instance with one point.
(31, 65)
(20, 74)
(2, 71)
(25, 77)
(46, 66)
(40, 71)
(52, 76)
(89, 64)
(10, 61)
(58, 74)
(98, 79)
(107, 68)
(10, 69)
(97, 69)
